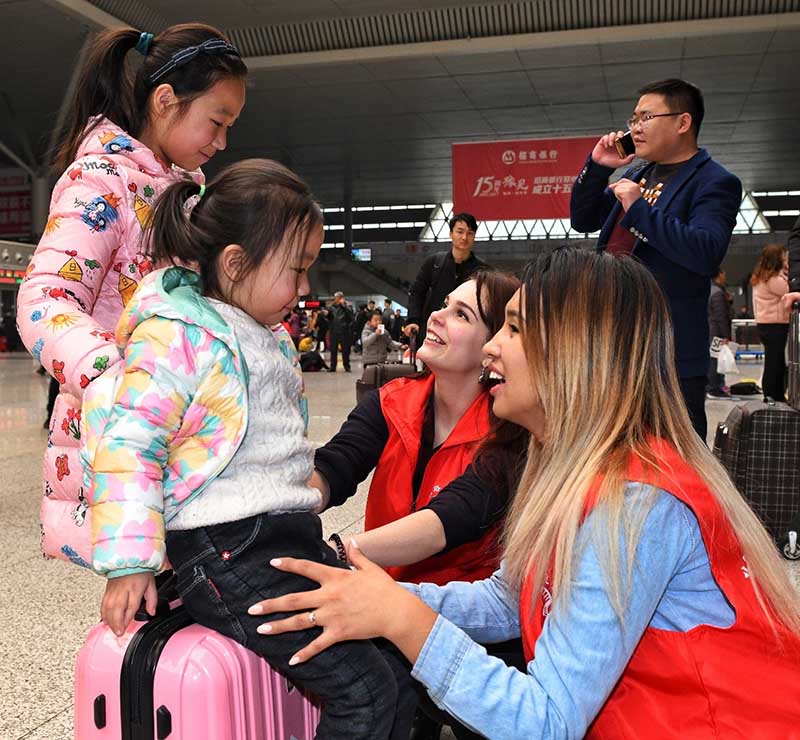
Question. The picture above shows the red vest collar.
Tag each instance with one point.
(404, 401)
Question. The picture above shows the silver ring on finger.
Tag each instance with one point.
(312, 617)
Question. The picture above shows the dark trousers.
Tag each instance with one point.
(773, 381)
(346, 340)
(52, 393)
(224, 569)
(694, 395)
(715, 380)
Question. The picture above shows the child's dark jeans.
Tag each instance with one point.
(224, 569)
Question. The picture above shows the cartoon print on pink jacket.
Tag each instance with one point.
(87, 266)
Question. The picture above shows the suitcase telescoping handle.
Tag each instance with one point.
(413, 337)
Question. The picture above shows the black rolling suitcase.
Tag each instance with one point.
(374, 376)
(759, 446)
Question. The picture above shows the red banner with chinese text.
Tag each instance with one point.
(15, 203)
(524, 179)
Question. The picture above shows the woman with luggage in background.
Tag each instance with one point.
(770, 283)
(129, 136)
(655, 602)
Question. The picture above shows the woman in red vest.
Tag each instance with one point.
(419, 435)
(651, 601)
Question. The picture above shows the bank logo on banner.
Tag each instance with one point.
(515, 180)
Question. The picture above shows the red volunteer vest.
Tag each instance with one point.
(390, 496)
(709, 682)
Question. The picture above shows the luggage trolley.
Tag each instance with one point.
(745, 334)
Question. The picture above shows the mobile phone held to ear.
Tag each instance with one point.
(625, 145)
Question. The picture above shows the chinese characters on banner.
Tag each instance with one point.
(525, 179)
(15, 203)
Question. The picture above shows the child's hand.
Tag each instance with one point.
(123, 596)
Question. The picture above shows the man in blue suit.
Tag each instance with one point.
(675, 212)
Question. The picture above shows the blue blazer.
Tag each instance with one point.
(682, 239)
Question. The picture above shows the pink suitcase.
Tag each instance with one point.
(170, 678)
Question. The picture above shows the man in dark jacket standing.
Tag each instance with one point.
(675, 214)
(342, 319)
(441, 273)
(719, 325)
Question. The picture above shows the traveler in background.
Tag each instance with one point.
(675, 214)
(442, 272)
(386, 317)
(719, 325)
(362, 316)
(376, 341)
(129, 137)
(321, 329)
(654, 600)
(342, 320)
(398, 322)
(293, 326)
(770, 284)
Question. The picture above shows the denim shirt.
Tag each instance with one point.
(583, 649)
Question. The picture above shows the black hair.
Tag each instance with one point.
(502, 454)
(109, 85)
(467, 218)
(255, 203)
(680, 97)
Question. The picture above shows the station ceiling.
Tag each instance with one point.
(373, 93)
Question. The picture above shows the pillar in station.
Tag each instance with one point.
(40, 204)
(348, 216)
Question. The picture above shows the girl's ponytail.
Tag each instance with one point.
(173, 237)
(104, 88)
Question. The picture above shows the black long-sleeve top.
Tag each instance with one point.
(466, 507)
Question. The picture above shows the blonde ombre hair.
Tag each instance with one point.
(599, 346)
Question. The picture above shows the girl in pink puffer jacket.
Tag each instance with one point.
(127, 141)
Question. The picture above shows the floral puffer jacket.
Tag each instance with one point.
(160, 427)
(87, 266)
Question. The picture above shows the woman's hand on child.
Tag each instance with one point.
(122, 599)
(356, 604)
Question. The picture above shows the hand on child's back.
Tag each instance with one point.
(122, 599)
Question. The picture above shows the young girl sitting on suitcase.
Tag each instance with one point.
(195, 451)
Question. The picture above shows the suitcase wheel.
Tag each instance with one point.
(790, 547)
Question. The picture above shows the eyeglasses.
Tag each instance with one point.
(635, 121)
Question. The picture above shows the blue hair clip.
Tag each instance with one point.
(144, 42)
